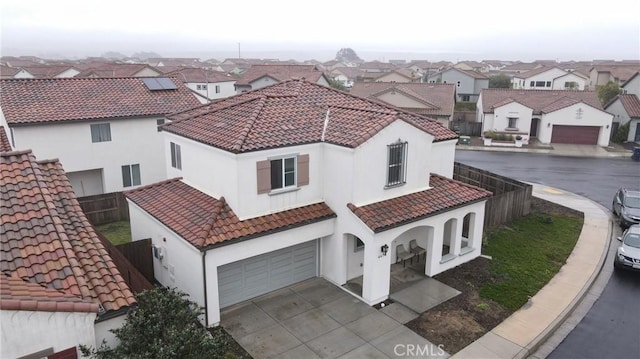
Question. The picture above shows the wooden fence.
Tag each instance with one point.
(105, 208)
(464, 128)
(136, 280)
(139, 254)
(511, 199)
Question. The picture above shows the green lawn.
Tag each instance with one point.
(527, 254)
(116, 232)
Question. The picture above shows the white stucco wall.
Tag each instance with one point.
(501, 115)
(133, 141)
(568, 116)
(632, 87)
(103, 330)
(559, 83)
(26, 332)
(68, 73)
(181, 266)
(618, 111)
(226, 89)
(262, 82)
(442, 157)
(547, 76)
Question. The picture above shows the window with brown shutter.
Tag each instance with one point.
(264, 176)
(303, 170)
(282, 173)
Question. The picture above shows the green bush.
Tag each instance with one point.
(622, 134)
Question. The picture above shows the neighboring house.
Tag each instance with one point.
(399, 75)
(552, 116)
(519, 67)
(119, 70)
(548, 78)
(59, 287)
(104, 130)
(259, 76)
(376, 66)
(347, 75)
(468, 83)
(472, 66)
(208, 83)
(602, 74)
(52, 71)
(179, 61)
(436, 101)
(632, 85)
(626, 108)
(299, 180)
(495, 65)
(7, 72)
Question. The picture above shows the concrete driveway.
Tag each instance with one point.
(316, 319)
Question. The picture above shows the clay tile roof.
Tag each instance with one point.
(533, 72)
(47, 71)
(8, 72)
(445, 194)
(27, 101)
(631, 104)
(280, 73)
(5, 144)
(538, 100)
(559, 104)
(440, 97)
(46, 238)
(192, 74)
(205, 221)
(291, 113)
(18, 294)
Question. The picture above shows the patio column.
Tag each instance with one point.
(376, 277)
(456, 242)
(434, 250)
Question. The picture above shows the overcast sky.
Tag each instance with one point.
(433, 30)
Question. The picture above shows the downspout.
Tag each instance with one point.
(204, 279)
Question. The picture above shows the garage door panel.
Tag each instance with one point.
(254, 276)
(585, 135)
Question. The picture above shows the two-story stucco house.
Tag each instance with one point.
(468, 83)
(551, 116)
(549, 78)
(210, 84)
(103, 130)
(298, 180)
(259, 76)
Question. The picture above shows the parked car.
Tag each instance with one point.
(626, 205)
(628, 254)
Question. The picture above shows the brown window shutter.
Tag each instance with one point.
(303, 170)
(263, 170)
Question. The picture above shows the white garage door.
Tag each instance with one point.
(261, 274)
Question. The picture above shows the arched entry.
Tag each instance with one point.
(533, 131)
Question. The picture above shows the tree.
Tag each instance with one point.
(347, 55)
(608, 91)
(336, 84)
(622, 134)
(164, 325)
(501, 81)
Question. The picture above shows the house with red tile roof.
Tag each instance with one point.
(210, 84)
(626, 109)
(104, 130)
(259, 76)
(436, 101)
(616, 72)
(549, 78)
(550, 116)
(468, 83)
(399, 75)
(298, 180)
(59, 287)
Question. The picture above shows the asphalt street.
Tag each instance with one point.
(611, 329)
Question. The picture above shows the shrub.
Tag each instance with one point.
(622, 134)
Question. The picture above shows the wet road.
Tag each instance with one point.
(611, 329)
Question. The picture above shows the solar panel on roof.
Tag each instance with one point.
(159, 83)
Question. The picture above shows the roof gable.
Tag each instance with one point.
(293, 113)
(46, 237)
(631, 104)
(537, 100)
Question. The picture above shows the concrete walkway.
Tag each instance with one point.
(526, 329)
(555, 149)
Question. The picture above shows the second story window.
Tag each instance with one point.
(131, 175)
(159, 122)
(100, 132)
(217, 88)
(176, 156)
(283, 173)
(396, 163)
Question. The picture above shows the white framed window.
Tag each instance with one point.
(176, 156)
(283, 172)
(512, 122)
(396, 163)
(159, 122)
(131, 175)
(201, 87)
(100, 132)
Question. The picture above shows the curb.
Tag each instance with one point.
(531, 348)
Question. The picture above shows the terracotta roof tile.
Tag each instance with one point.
(46, 238)
(631, 104)
(445, 194)
(290, 113)
(280, 73)
(67, 99)
(19, 294)
(192, 74)
(538, 100)
(204, 221)
(5, 144)
(440, 97)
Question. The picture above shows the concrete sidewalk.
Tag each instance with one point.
(526, 329)
(555, 149)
